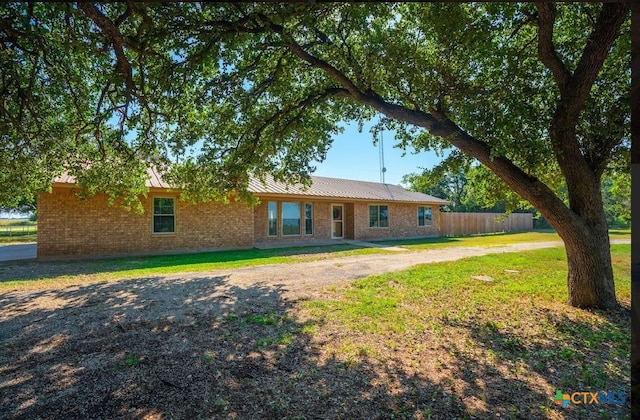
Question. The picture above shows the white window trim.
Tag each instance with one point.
(332, 220)
(153, 215)
(425, 219)
(304, 212)
(369, 216)
(269, 235)
(300, 219)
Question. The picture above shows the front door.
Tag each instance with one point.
(337, 221)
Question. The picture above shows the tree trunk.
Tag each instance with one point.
(590, 274)
(585, 233)
(582, 224)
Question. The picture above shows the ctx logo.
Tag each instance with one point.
(583, 397)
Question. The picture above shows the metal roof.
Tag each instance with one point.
(321, 187)
(343, 188)
(153, 181)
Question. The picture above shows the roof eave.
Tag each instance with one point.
(343, 199)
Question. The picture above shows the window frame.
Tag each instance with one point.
(334, 220)
(282, 205)
(154, 215)
(424, 208)
(378, 218)
(310, 219)
(269, 219)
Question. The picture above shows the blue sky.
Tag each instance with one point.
(353, 156)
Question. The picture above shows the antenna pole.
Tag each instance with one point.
(381, 155)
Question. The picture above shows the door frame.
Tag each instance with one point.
(340, 220)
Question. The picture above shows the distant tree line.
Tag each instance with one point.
(26, 205)
(473, 188)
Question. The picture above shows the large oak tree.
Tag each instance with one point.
(538, 93)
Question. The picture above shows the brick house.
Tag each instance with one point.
(331, 209)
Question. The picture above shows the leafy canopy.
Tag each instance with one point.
(473, 188)
(210, 93)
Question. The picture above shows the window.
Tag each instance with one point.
(337, 221)
(164, 218)
(378, 217)
(308, 219)
(424, 216)
(290, 219)
(273, 218)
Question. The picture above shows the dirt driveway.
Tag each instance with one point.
(305, 280)
(185, 346)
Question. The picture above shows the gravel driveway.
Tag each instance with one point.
(303, 280)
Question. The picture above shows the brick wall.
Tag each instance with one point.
(403, 222)
(68, 226)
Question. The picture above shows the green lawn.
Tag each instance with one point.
(495, 239)
(17, 237)
(513, 336)
(387, 302)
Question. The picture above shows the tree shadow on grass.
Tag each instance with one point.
(183, 348)
(572, 355)
(180, 349)
(206, 348)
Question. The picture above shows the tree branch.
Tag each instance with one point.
(369, 98)
(124, 16)
(117, 40)
(247, 143)
(300, 107)
(574, 92)
(438, 124)
(14, 33)
(546, 50)
(595, 52)
(528, 18)
(528, 187)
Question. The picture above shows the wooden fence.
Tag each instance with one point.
(457, 224)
